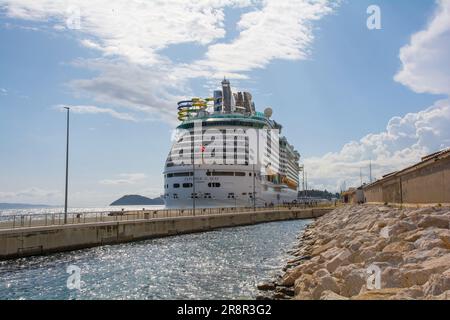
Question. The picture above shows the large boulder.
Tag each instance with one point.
(355, 244)
(399, 246)
(353, 282)
(329, 254)
(330, 295)
(304, 284)
(380, 244)
(321, 273)
(290, 276)
(401, 227)
(437, 284)
(391, 277)
(364, 255)
(443, 296)
(412, 293)
(423, 272)
(435, 221)
(382, 294)
(303, 296)
(437, 265)
(326, 283)
(393, 258)
(310, 267)
(414, 235)
(432, 238)
(415, 277)
(340, 259)
(385, 232)
(444, 236)
(418, 256)
(319, 249)
(343, 271)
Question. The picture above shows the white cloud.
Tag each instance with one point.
(134, 29)
(130, 35)
(97, 110)
(125, 179)
(404, 142)
(279, 30)
(425, 68)
(3, 92)
(29, 195)
(137, 88)
(425, 60)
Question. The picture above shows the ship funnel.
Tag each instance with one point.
(248, 103)
(217, 101)
(226, 99)
(243, 102)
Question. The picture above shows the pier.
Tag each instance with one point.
(22, 236)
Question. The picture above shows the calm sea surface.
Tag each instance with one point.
(221, 264)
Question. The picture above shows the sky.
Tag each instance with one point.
(346, 95)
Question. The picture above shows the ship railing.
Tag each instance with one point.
(57, 219)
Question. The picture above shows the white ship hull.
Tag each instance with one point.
(233, 191)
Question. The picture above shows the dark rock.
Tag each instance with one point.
(286, 291)
(266, 286)
(280, 296)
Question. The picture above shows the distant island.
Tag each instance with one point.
(7, 206)
(136, 200)
(324, 194)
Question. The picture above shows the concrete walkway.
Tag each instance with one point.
(37, 239)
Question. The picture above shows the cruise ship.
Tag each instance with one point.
(226, 154)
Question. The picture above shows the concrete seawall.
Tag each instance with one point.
(22, 242)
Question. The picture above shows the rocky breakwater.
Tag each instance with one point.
(370, 252)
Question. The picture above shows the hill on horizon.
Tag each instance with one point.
(134, 200)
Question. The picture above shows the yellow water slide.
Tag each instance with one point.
(190, 108)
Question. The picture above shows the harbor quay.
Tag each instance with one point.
(48, 235)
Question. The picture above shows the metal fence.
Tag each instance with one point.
(54, 219)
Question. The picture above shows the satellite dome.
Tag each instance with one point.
(268, 112)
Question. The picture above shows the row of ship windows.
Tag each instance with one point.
(189, 185)
(208, 195)
(171, 164)
(228, 131)
(227, 123)
(209, 173)
(212, 156)
(225, 137)
(225, 142)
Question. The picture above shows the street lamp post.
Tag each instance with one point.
(194, 195)
(254, 188)
(67, 166)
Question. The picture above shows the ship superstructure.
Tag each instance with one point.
(226, 154)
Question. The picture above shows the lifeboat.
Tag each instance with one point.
(289, 182)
